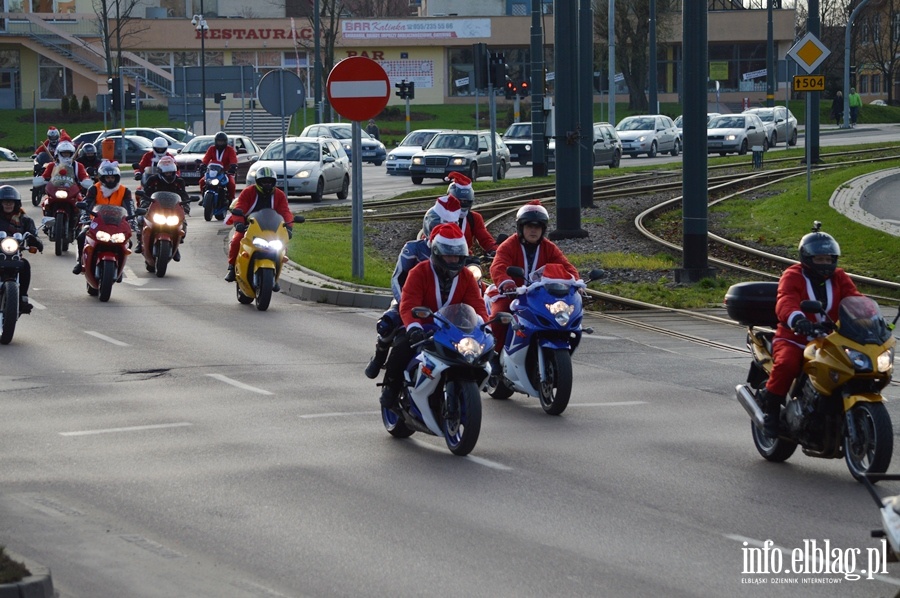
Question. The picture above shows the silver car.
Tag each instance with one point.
(780, 122)
(648, 134)
(735, 133)
(315, 166)
(399, 158)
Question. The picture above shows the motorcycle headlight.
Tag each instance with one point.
(303, 174)
(475, 270)
(104, 236)
(470, 349)
(561, 311)
(214, 182)
(860, 361)
(61, 194)
(9, 245)
(885, 361)
(172, 220)
(118, 238)
(159, 219)
(274, 245)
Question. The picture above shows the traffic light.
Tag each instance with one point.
(411, 90)
(510, 89)
(115, 92)
(402, 89)
(218, 97)
(499, 69)
(480, 64)
(523, 89)
(129, 100)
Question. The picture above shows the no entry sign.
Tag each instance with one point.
(358, 88)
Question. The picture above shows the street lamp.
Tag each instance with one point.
(199, 23)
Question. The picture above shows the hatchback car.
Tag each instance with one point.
(679, 124)
(518, 139)
(145, 132)
(468, 152)
(86, 137)
(736, 133)
(8, 155)
(648, 134)
(186, 159)
(135, 148)
(372, 150)
(315, 166)
(399, 158)
(607, 147)
(780, 123)
(179, 134)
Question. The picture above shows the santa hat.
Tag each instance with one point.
(447, 208)
(460, 181)
(449, 234)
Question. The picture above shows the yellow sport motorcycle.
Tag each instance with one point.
(834, 408)
(261, 255)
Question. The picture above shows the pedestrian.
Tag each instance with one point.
(855, 105)
(837, 108)
(372, 129)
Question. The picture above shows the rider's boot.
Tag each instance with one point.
(229, 277)
(771, 406)
(390, 393)
(377, 362)
(24, 305)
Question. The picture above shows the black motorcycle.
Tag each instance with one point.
(11, 248)
(37, 190)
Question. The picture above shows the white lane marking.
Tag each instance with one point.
(478, 460)
(610, 404)
(340, 414)
(153, 289)
(600, 338)
(128, 429)
(35, 304)
(237, 384)
(103, 337)
(132, 278)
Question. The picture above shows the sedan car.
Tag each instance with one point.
(179, 134)
(399, 158)
(679, 124)
(8, 155)
(145, 132)
(780, 123)
(315, 166)
(135, 148)
(518, 139)
(648, 134)
(87, 137)
(187, 157)
(607, 147)
(468, 152)
(372, 150)
(736, 133)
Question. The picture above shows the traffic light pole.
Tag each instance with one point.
(407, 115)
(121, 110)
(492, 106)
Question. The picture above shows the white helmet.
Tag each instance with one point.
(167, 168)
(65, 147)
(160, 145)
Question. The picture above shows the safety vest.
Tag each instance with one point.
(116, 199)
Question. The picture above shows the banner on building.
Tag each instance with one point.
(415, 28)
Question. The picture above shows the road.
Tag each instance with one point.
(175, 443)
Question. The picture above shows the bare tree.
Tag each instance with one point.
(117, 21)
(880, 41)
(363, 9)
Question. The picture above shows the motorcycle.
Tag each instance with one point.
(215, 192)
(834, 408)
(60, 222)
(162, 231)
(536, 358)
(262, 253)
(441, 390)
(105, 249)
(11, 247)
(37, 188)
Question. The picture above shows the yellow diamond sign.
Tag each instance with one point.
(809, 52)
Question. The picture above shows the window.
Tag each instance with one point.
(876, 83)
(55, 80)
(863, 86)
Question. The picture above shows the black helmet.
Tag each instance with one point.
(89, 150)
(533, 211)
(221, 140)
(447, 239)
(819, 243)
(8, 192)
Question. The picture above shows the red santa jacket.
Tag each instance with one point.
(248, 201)
(421, 289)
(225, 157)
(77, 167)
(473, 228)
(512, 253)
(794, 287)
(149, 160)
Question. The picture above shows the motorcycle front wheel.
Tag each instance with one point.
(557, 389)
(266, 280)
(209, 205)
(870, 451)
(163, 255)
(61, 226)
(461, 435)
(107, 278)
(36, 196)
(772, 449)
(9, 311)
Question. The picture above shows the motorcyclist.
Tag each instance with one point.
(436, 283)
(222, 153)
(470, 222)
(165, 179)
(447, 209)
(529, 249)
(816, 277)
(160, 148)
(89, 159)
(13, 220)
(262, 195)
(108, 190)
(65, 159)
(54, 136)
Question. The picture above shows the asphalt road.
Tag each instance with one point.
(175, 443)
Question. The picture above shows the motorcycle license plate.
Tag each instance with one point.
(434, 170)
(190, 173)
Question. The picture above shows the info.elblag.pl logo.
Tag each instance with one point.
(817, 561)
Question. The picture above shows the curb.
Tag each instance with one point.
(846, 198)
(37, 585)
(343, 294)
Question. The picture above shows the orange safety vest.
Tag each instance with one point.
(115, 199)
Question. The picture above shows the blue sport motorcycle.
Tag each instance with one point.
(215, 192)
(537, 357)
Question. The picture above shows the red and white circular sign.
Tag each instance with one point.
(358, 88)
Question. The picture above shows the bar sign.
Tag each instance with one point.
(809, 83)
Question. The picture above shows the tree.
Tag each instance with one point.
(881, 42)
(116, 22)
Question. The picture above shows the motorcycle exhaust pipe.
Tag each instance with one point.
(746, 399)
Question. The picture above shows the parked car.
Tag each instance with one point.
(135, 148)
(8, 155)
(179, 134)
(518, 139)
(86, 137)
(399, 158)
(607, 147)
(735, 133)
(780, 123)
(679, 124)
(878, 103)
(468, 152)
(315, 166)
(145, 132)
(648, 134)
(372, 150)
(186, 158)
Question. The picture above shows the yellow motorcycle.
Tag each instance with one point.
(834, 408)
(261, 256)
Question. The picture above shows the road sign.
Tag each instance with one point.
(281, 92)
(809, 83)
(809, 53)
(358, 88)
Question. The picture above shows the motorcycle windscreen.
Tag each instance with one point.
(267, 219)
(861, 321)
(111, 215)
(166, 199)
(461, 315)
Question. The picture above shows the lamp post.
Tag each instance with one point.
(199, 23)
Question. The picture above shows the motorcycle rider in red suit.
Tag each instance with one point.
(222, 153)
(263, 194)
(152, 157)
(470, 222)
(435, 283)
(65, 158)
(54, 136)
(816, 277)
(529, 249)
(165, 179)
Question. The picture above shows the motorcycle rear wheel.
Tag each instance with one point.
(395, 425)
(61, 225)
(107, 278)
(266, 279)
(461, 436)
(555, 392)
(9, 311)
(872, 454)
(163, 255)
(36, 197)
(776, 450)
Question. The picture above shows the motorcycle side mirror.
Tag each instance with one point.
(140, 211)
(237, 212)
(299, 219)
(811, 305)
(501, 237)
(596, 274)
(515, 272)
(422, 312)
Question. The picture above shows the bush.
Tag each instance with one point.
(64, 106)
(85, 105)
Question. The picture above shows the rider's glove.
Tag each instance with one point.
(507, 286)
(415, 335)
(804, 327)
(36, 243)
(137, 176)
